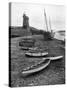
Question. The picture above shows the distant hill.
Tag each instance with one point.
(20, 31)
(36, 31)
(61, 31)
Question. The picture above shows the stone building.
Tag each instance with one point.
(26, 26)
(25, 21)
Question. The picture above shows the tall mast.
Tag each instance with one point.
(52, 33)
(50, 23)
(46, 20)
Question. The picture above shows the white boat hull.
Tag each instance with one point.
(53, 58)
(36, 54)
(37, 69)
(56, 58)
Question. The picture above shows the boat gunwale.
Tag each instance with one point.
(37, 66)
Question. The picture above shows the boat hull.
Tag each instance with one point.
(28, 48)
(36, 54)
(36, 69)
(54, 58)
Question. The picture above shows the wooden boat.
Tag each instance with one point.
(28, 48)
(54, 58)
(36, 54)
(37, 68)
(24, 48)
(27, 42)
(40, 66)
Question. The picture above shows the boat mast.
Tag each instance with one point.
(50, 23)
(45, 20)
(52, 33)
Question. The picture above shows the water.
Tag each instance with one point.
(59, 36)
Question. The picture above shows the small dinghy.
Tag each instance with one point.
(39, 54)
(56, 58)
(53, 58)
(36, 53)
(27, 43)
(24, 48)
(37, 68)
(28, 48)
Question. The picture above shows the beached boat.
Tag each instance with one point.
(36, 54)
(54, 58)
(26, 43)
(24, 48)
(28, 48)
(40, 66)
(37, 68)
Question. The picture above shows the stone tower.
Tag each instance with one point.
(25, 21)
(26, 25)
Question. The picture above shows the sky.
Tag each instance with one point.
(35, 12)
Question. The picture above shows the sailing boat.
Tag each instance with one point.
(47, 34)
(52, 33)
(46, 20)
